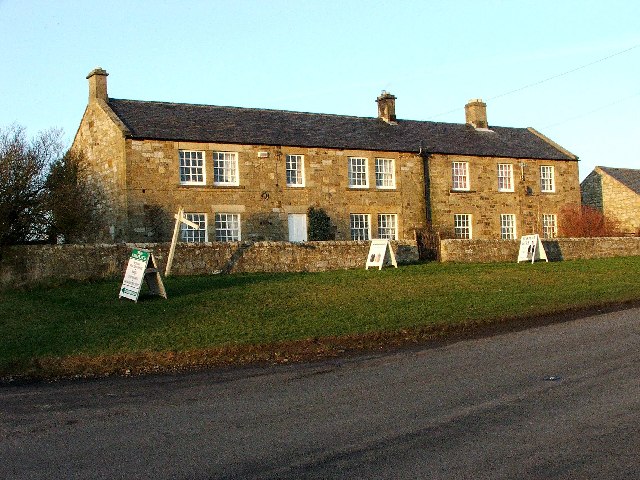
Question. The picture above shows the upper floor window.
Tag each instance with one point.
(460, 175)
(549, 226)
(385, 173)
(508, 227)
(191, 235)
(227, 227)
(358, 173)
(225, 168)
(505, 177)
(359, 223)
(547, 183)
(462, 225)
(295, 170)
(191, 167)
(388, 226)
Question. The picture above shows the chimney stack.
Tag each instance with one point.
(476, 113)
(97, 84)
(387, 107)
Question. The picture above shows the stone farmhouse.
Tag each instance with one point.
(252, 174)
(616, 193)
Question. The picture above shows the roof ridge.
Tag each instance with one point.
(295, 112)
(255, 109)
(619, 168)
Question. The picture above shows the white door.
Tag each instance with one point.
(297, 227)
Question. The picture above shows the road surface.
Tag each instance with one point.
(560, 401)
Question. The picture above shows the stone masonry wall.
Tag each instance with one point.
(102, 143)
(454, 250)
(485, 203)
(262, 197)
(35, 264)
(591, 191)
(615, 200)
(621, 204)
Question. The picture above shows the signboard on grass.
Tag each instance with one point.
(531, 248)
(378, 254)
(142, 266)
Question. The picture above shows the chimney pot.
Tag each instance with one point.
(387, 107)
(97, 84)
(476, 113)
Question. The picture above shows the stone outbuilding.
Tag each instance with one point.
(616, 193)
(253, 174)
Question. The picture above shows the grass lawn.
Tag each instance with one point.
(87, 320)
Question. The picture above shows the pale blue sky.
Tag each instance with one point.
(335, 57)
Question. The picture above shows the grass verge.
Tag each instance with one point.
(83, 329)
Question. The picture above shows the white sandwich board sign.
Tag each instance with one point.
(378, 254)
(531, 248)
(142, 266)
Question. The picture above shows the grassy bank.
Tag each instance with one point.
(86, 320)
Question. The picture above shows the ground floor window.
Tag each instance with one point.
(508, 227)
(462, 225)
(549, 226)
(360, 229)
(191, 235)
(227, 227)
(388, 226)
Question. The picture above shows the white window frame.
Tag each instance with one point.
(508, 226)
(294, 170)
(358, 172)
(549, 225)
(460, 176)
(385, 173)
(192, 164)
(388, 226)
(505, 177)
(225, 169)
(360, 226)
(547, 180)
(191, 235)
(462, 226)
(228, 227)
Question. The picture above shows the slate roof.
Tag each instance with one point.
(209, 123)
(627, 176)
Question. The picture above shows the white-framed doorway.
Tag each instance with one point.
(297, 227)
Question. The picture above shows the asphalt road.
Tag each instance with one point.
(560, 401)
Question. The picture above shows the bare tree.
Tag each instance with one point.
(23, 167)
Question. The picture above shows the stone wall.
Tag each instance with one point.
(557, 249)
(621, 204)
(34, 264)
(591, 190)
(485, 203)
(614, 199)
(100, 140)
